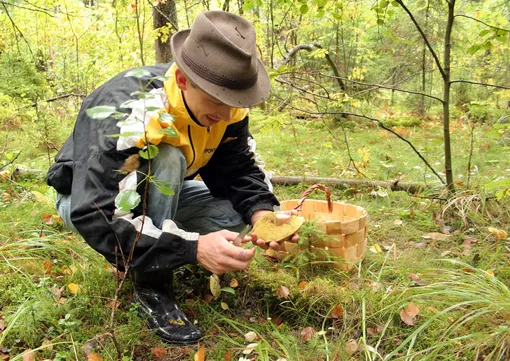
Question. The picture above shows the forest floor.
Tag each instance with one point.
(434, 283)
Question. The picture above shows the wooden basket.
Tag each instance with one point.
(344, 225)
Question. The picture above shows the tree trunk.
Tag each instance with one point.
(164, 17)
(446, 97)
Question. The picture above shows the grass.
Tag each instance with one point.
(459, 282)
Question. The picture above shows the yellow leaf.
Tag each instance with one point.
(489, 273)
(200, 355)
(214, 285)
(397, 222)
(94, 357)
(375, 248)
(39, 197)
(499, 233)
(73, 288)
(234, 283)
(224, 306)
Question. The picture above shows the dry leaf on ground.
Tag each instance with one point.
(435, 236)
(234, 283)
(158, 353)
(283, 292)
(409, 313)
(337, 312)
(200, 355)
(307, 333)
(351, 347)
(73, 288)
(499, 233)
(28, 355)
(251, 336)
(94, 357)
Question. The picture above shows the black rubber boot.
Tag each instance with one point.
(154, 293)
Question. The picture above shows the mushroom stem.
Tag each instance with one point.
(282, 218)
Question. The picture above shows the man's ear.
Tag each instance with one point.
(181, 80)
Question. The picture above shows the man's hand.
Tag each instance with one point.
(217, 254)
(262, 243)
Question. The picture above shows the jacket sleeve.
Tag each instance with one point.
(96, 182)
(233, 173)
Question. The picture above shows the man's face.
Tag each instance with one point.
(206, 109)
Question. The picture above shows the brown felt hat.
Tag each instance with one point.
(219, 55)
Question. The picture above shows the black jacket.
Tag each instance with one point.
(87, 168)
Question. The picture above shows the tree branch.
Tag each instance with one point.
(481, 22)
(425, 39)
(382, 126)
(311, 47)
(17, 29)
(35, 8)
(478, 83)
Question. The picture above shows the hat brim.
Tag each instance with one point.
(237, 98)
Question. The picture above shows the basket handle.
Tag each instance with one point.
(306, 193)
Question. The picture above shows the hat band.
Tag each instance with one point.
(218, 79)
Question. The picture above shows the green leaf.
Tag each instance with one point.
(229, 290)
(165, 190)
(485, 32)
(321, 3)
(320, 13)
(383, 4)
(149, 152)
(380, 21)
(152, 108)
(129, 104)
(161, 77)
(304, 9)
(473, 49)
(502, 37)
(143, 95)
(125, 134)
(101, 112)
(248, 5)
(165, 117)
(137, 73)
(487, 45)
(214, 285)
(127, 200)
(169, 131)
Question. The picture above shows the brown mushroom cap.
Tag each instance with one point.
(267, 228)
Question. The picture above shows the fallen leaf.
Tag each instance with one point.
(283, 292)
(208, 298)
(351, 347)
(58, 218)
(47, 267)
(251, 336)
(249, 349)
(375, 248)
(499, 233)
(397, 222)
(409, 313)
(224, 306)
(94, 357)
(3, 325)
(337, 312)
(307, 333)
(408, 320)
(158, 353)
(435, 236)
(28, 355)
(412, 310)
(445, 253)
(47, 218)
(214, 285)
(113, 304)
(73, 288)
(302, 284)
(39, 197)
(234, 283)
(228, 356)
(200, 355)
(489, 273)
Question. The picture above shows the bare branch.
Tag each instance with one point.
(481, 22)
(478, 83)
(156, 8)
(17, 29)
(301, 89)
(424, 37)
(382, 126)
(311, 47)
(11, 161)
(34, 8)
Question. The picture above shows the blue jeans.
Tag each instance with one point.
(192, 206)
